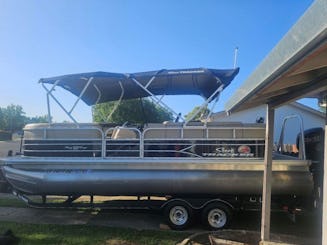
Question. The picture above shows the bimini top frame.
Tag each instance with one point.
(100, 87)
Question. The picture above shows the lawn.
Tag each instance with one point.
(84, 234)
(12, 202)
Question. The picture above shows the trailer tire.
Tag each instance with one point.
(178, 215)
(216, 216)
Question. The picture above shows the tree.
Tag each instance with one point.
(2, 119)
(36, 119)
(12, 118)
(137, 111)
(201, 115)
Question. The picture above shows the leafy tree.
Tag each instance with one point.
(2, 120)
(202, 114)
(138, 111)
(36, 119)
(12, 118)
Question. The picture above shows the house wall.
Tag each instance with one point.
(310, 119)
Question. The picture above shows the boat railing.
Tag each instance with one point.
(300, 138)
(170, 140)
(123, 142)
(63, 141)
(175, 131)
(202, 141)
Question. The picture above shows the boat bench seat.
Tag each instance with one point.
(63, 140)
(44, 131)
(163, 130)
(196, 130)
(124, 133)
(166, 130)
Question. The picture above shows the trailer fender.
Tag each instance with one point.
(174, 200)
(217, 200)
(198, 206)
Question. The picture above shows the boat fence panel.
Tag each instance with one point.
(62, 141)
(201, 141)
(123, 142)
(203, 148)
(164, 140)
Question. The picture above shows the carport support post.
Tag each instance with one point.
(324, 207)
(267, 175)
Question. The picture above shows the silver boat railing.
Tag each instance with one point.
(300, 138)
(164, 141)
(63, 141)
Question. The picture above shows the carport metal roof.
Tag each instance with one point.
(295, 68)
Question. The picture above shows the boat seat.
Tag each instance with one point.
(165, 130)
(124, 133)
(172, 124)
(225, 124)
(41, 131)
(162, 133)
(214, 130)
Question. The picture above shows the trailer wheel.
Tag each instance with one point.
(178, 214)
(216, 216)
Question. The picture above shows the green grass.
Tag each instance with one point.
(12, 202)
(84, 234)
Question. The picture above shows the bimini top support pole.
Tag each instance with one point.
(118, 102)
(49, 93)
(69, 113)
(152, 96)
(205, 104)
(48, 100)
(211, 110)
(81, 94)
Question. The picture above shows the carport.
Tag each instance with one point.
(295, 68)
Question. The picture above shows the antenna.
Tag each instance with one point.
(235, 56)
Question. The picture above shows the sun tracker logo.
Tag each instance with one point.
(244, 151)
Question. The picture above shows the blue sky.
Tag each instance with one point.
(49, 38)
